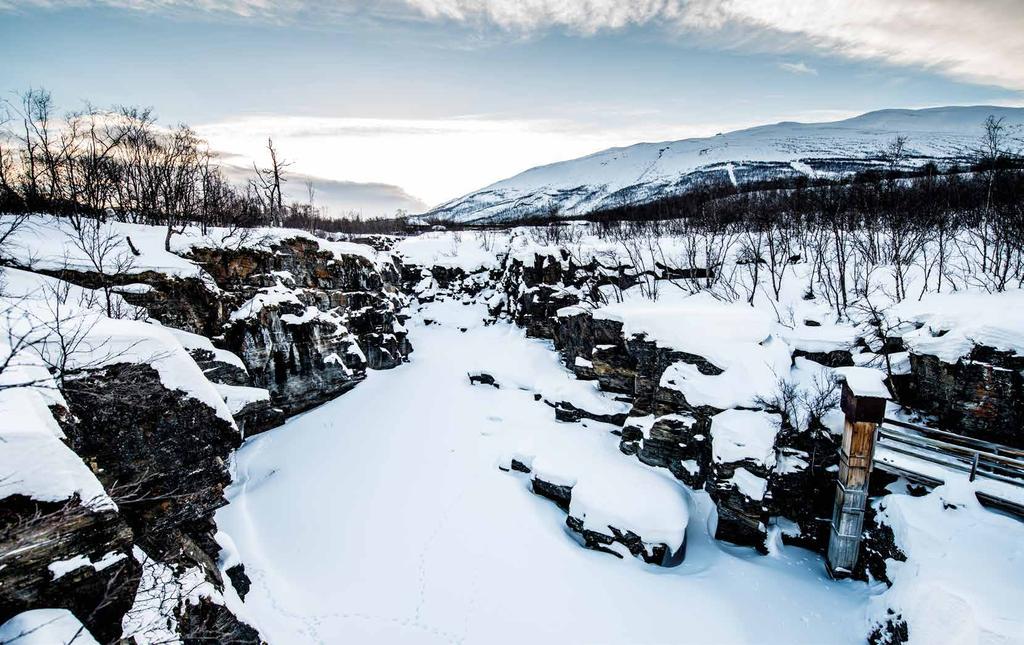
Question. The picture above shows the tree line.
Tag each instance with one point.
(119, 163)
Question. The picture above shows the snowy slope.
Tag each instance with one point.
(646, 171)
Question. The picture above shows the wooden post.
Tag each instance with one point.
(863, 403)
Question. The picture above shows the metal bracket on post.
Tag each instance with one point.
(863, 402)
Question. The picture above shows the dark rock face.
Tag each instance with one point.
(835, 358)
(559, 494)
(206, 622)
(982, 395)
(569, 413)
(878, 544)
(741, 519)
(303, 357)
(168, 451)
(239, 580)
(217, 371)
(163, 455)
(803, 484)
(680, 443)
(34, 534)
(257, 417)
(302, 364)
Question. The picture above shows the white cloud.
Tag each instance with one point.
(798, 68)
(978, 41)
(975, 40)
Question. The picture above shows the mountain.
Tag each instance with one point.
(645, 172)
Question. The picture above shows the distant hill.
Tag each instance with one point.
(646, 172)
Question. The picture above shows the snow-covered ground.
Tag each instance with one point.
(383, 516)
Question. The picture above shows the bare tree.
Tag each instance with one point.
(108, 257)
(268, 184)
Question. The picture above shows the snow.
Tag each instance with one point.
(865, 381)
(749, 484)
(737, 435)
(61, 568)
(969, 318)
(656, 513)
(267, 297)
(48, 242)
(238, 396)
(192, 342)
(103, 341)
(45, 627)
(34, 461)
(461, 250)
(732, 337)
(366, 520)
(823, 338)
(961, 580)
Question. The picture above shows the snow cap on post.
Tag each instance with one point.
(864, 394)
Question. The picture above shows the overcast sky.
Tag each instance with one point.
(408, 103)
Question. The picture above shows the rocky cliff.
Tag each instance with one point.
(242, 337)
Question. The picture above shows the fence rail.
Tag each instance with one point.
(977, 458)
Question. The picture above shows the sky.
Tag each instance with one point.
(389, 104)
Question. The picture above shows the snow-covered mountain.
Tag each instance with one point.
(648, 171)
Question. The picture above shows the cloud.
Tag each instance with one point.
(978, 41)
(370, 199)
(798, 68)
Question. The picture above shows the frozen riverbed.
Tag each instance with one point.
(382, 516)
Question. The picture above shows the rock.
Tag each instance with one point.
(303, 361)
(258, 417)
(658, 553)
(206, 621)
(894, 631)
(981, 396)
(239, 580)
(44, 533)
(569, 413)
(834, 358)
(557, 493)
(803, 484)
(483, 378)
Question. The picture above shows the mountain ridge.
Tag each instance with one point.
(647, 171)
